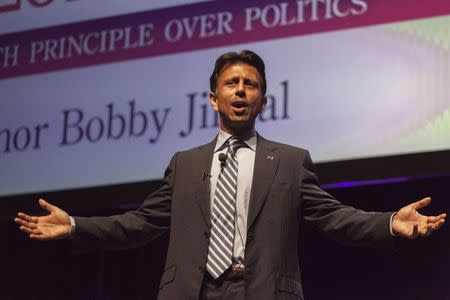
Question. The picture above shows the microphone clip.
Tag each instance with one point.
(223, 159)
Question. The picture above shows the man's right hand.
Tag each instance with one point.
(56, 225)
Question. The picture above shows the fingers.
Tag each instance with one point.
(35, 234)
(421, 203)
(427, 229)
(28, 217)
(39, 237)
(30, 230)
(438, 224)
(434, 219)
(47, 206)
(28, 224)
(25, 223)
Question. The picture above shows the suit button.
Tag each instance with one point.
(201, 269)
(206, 234)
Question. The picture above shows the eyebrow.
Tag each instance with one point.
(246, 79)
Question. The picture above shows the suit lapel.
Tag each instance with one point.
(204, 161)
(266, 164)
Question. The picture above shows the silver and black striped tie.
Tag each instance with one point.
(223, 212)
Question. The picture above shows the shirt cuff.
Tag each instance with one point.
(390, 225)
(72, 223)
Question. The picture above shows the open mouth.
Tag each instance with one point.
(239, 104)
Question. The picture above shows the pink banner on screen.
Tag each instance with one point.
(194, 27)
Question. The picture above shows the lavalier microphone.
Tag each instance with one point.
(223, 159)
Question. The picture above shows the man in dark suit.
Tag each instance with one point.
(234, 206)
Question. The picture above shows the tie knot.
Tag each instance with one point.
(235, 143)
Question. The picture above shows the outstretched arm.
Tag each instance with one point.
(55, 225)
(409, 223)
(349, 225)
(122, 231)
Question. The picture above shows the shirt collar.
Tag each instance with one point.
(248, 137)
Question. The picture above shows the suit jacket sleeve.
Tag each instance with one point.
(342, 223)
(133, 228)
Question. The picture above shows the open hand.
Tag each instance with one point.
(56, 225)
(409, 223)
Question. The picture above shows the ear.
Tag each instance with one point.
(263, 103)
(213, 101)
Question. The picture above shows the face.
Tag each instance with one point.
(238, 98)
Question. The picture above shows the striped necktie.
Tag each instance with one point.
(221, 239)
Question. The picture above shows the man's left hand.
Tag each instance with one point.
(409, 223)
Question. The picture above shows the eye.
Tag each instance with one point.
(251, 83)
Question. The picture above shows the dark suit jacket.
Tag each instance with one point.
(285, 196)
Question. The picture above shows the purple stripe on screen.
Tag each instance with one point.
(355, 183)
(348, 184)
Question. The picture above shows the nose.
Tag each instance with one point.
(240, 89)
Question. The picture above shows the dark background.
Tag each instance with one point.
(413, 270)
